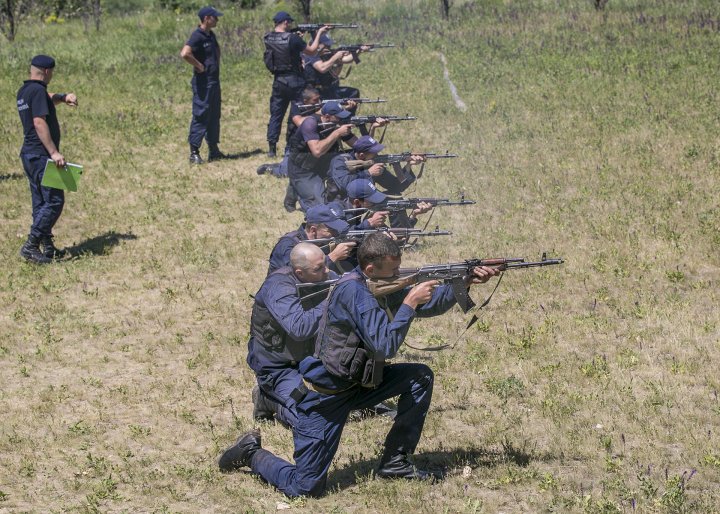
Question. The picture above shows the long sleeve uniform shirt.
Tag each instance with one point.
(298, 319)
(352, 304)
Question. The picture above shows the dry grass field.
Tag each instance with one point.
(590, 387)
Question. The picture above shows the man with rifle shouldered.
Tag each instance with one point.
(366, 149)
(320, 221)
(282, 58)
(357, 326)
(311, 150)
(362, 194)
(282, 332)
(323, 69)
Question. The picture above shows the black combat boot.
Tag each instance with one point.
(395, 465)
(49, 249)
(240, 453)
(272, 150)
(263, 407)
(195, 155)
(31, 251)
(290, 201)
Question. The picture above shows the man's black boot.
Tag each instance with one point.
(49, 249)
(262, 169)
(195, 156)
(215, 154)
(30, 251)
(396, 465)
(263, 408)
(240, 453)
(272, 149)
(290, 201)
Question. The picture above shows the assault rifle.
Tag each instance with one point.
(357, 236)
(355, 50)
(394, 159)
(352, 214)
(314, 27)
(412, 203)
(356, 165)
(362, 120)
(306, 109)
(454, 273)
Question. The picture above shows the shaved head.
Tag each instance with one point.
(308, 263)
(305, 256)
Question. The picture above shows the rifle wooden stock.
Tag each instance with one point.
(380, 287)
(357, 165)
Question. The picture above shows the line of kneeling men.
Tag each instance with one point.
(319, 358)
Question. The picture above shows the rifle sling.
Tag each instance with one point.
(472, 321)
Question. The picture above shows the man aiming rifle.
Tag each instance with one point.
(349, 370)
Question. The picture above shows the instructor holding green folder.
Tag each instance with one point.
(41, 129)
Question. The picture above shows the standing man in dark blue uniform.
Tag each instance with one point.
(357, 335)
(282, 57)
(203, 53)
(41, 130)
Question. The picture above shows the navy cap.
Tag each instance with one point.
(43, 61)
(367, 144)
(363, 189)
(329, 216)
(282, 16)
(326, 40)
(208, 11)
(335, 109)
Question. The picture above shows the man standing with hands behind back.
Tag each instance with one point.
(41, 130)
(203, 53)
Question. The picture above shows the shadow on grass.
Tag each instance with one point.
(444, 463)
(11, 176)
(99, 245)
(240, 155)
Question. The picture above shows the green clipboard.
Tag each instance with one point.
(66, 178)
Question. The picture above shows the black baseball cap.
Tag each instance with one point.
(208, 11)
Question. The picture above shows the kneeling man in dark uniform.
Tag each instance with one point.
(348, 371)
(282, 332)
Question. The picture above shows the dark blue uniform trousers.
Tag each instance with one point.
(285, 89)
(320, 423)
(47, 203)
(278, 385)
(206, 110)
(308, 186)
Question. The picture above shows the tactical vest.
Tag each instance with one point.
(343, 353)
(333, 192)
(265, 329)
(277, 56)
(323, 82)
(301, 156)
